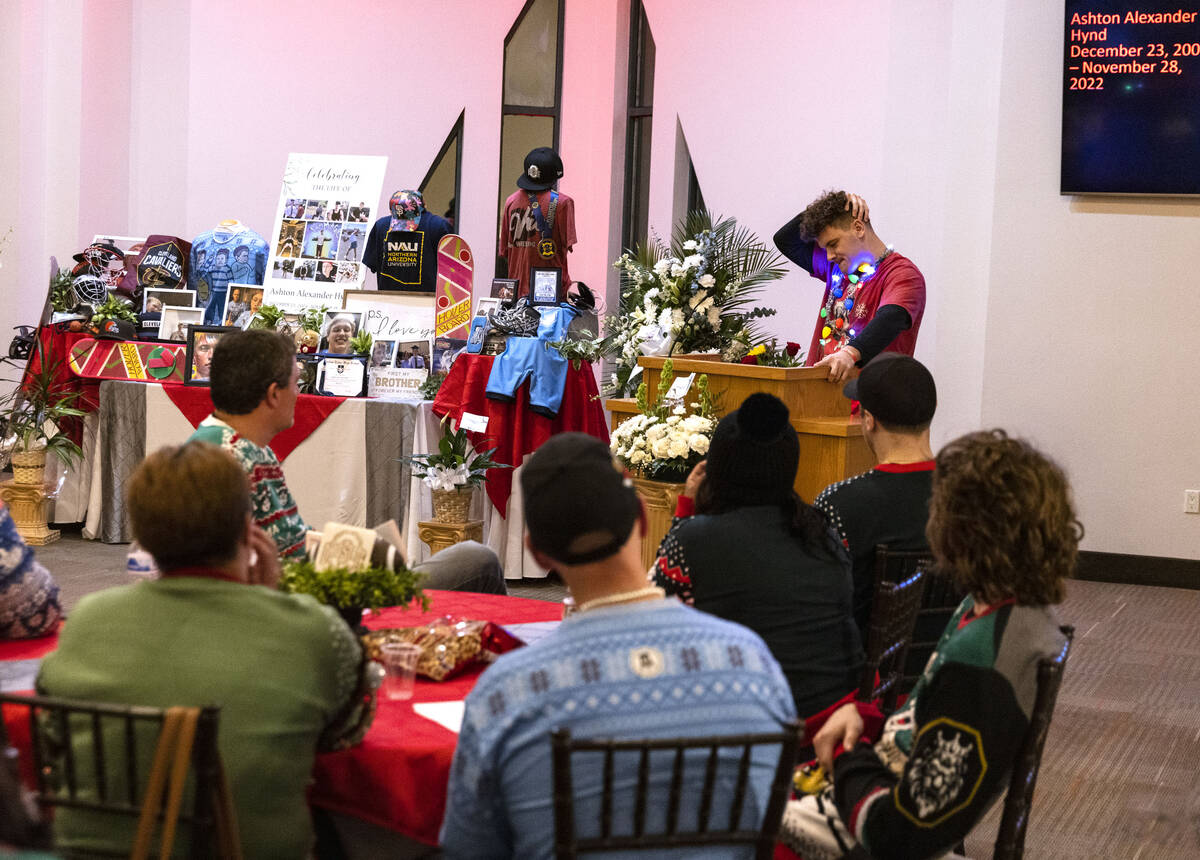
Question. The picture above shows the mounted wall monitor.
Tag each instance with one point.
(1131, 97)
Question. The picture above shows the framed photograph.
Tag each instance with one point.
(339, 327)
(414, 354)
(484, 307)
(175, 322)
(545, 286)
(382, 352)
(393, 314)
(445, 350)
(242, 302)
(505, 289)
(200, 343)
(156, 299)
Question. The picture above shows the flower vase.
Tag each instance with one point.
(29, 467)
(659, 498)
(452, 506)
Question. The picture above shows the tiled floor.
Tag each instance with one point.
(1119, 776)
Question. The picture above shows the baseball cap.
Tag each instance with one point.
(897, 389)
(578, 507)
(115, 330)
(543, 168)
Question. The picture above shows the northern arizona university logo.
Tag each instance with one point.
(944, 772)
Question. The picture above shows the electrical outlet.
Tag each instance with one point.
(1191, 501)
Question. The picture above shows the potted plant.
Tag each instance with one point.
(352, 591)
(361, 343)
(268, 317)
(114, 308)
(32, 414)
(453, 473)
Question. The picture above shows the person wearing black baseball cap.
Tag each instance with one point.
(627, 664)
(890, 503)
(538, 226)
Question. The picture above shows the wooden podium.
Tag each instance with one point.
(831, 442)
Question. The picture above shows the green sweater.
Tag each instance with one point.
(281, 667)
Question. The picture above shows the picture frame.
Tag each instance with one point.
(340, 346)
(200, 342)
(393, 314)
(505, 289)
(383, 354)
(414, 354)
(545, 286)
(485, 306)
(175, 321)
(342, 375)
(242, 302)
(166, 297)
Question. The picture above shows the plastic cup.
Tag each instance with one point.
(400, 669)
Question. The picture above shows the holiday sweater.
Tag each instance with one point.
(274, 508)
(886, 505)
(945, 756)
(746, 566)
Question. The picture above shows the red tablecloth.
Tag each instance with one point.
(396, 778)
(512, 428)
(195, 402)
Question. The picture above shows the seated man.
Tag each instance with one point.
(626, 664)
(1001, 523)
(29, 604)
(890, 503)
(286, 671)
(254, 384)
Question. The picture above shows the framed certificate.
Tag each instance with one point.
(545, 286)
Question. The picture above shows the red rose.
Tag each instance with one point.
(792, 348)
(750, 359)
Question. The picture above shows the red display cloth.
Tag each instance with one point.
(56, 346)
(512, 428)
(16, 718)
(195, 402)
(397, 777)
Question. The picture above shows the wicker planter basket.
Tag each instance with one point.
(452, 506)
(29, 467)
(659, 498)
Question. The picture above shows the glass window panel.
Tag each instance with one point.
(644, 85)
(520, 133)
(637, 222)
(443, 179)
(531, 57)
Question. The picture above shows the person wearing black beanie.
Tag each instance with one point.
(755, 553)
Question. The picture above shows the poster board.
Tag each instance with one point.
(392, 315)
(326, 207)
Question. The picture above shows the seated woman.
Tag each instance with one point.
(756, 554)
(29, 604)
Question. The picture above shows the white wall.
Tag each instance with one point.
(1072, 321)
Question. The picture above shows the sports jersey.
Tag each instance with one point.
(519, 236)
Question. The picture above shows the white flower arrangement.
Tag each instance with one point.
(664, 442)
(691, 297)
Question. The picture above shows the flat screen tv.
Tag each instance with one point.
(1131, 97)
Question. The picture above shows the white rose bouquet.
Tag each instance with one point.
(692, 297)
(665, 441)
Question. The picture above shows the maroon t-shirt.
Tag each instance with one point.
(519, 236)
(896, 282)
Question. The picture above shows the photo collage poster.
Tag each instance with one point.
(326, 208)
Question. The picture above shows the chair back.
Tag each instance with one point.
(1010, 838)
(727, 750)
(894, 609)
(77, 765)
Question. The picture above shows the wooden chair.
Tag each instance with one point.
(942, 596)
(1010, 838)
(894, 609)
(567, 844)
(70, 745)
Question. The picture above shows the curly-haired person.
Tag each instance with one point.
(874, 297)
(1001, 524)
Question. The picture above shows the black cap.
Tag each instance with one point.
(543, 168)
(754, 453)
(897, 389)
(116, 330)
(578, 507)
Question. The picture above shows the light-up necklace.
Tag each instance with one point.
(841, 300)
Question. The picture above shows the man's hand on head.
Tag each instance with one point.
(265, 569)
(840, 364)
(857, 207)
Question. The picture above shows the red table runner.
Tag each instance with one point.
(397, 777)
(195, 402)
(512, 428)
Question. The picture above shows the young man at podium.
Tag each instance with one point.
(874, 297)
